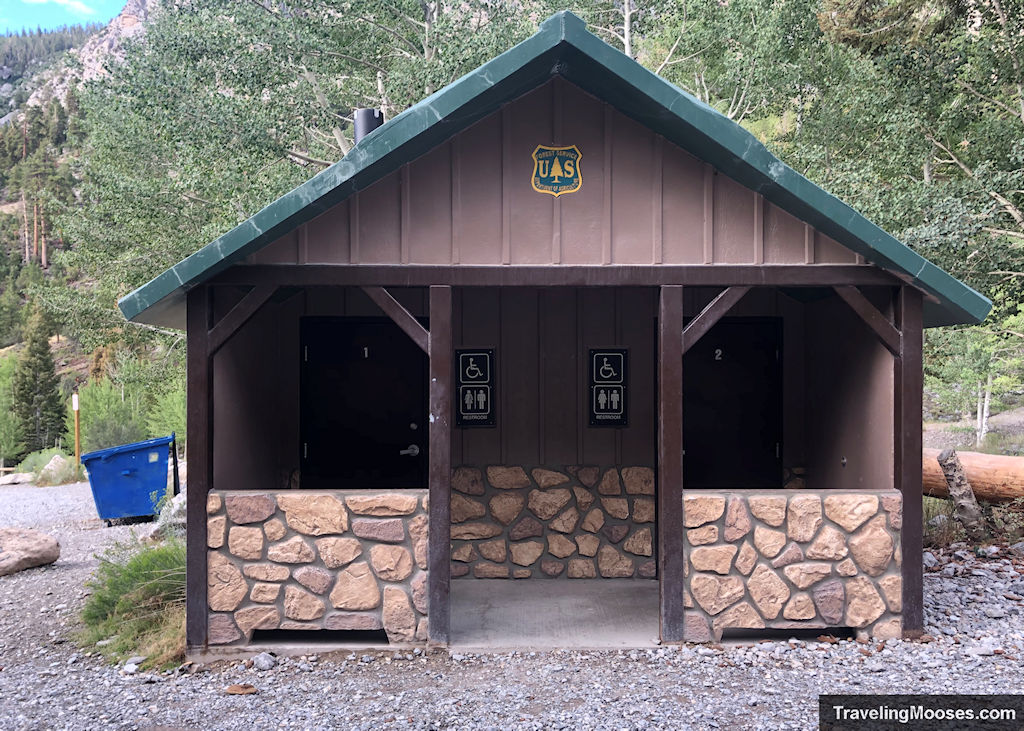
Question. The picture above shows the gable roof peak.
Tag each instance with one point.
(562, 46)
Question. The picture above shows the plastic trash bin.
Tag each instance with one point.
(124, 478)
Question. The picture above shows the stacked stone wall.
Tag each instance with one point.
(582, 522)
(780, 559)
(316, 560)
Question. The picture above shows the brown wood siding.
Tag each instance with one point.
(837, 379)
(849, 399)
(470, 201)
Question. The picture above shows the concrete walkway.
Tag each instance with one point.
(498, 614)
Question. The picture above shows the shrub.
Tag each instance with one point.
(138, 602)
(168, 414)
(107, 419)
(36, 461)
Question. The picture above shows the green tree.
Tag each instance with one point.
(12, 443)
(37, 402)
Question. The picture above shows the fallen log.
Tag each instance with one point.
(993, 477)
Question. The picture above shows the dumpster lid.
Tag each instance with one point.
(125, 448)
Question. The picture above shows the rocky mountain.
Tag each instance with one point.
(89, 61)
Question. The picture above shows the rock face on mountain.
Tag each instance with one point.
(97, 51)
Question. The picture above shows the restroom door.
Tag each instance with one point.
(363, 410)
(732, 406)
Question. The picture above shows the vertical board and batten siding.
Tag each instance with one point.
(837, 380)
(469, 201)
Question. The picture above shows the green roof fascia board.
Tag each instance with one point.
(564, 47)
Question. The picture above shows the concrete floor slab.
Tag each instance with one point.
(499, 614)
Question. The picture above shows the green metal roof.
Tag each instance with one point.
(562, 47)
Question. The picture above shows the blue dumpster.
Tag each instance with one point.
(124, 478)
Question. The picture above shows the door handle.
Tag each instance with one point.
(412, 451)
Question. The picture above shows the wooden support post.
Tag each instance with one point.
(238, 316)
(671, 560)
(909, 383)
(715, 311)
(400, 316)
(884, 330)
(200, 461)
(439, 541)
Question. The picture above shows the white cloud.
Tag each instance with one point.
(75, 6)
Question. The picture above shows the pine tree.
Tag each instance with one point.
(37, 400)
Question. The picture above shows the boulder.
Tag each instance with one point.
(55, 471)
(16, 478)
(24, 548)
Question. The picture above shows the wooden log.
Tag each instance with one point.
(993, 477)
(967, 512)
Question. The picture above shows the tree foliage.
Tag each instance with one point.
(37, 401)
(910, 110)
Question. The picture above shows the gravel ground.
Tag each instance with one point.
(974, 610)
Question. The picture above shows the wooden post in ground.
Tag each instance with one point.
(439, 540)
(908, 378)
(200, 462)
(670, 462)
(78, 441)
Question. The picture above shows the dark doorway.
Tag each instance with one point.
(732, 406)
(363, 410)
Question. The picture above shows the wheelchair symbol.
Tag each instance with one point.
(474, 367)
(472, 370)
(607, 367)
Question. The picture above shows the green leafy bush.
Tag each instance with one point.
(107, 417)
(168, 414)
(138, 602)
(35, 461)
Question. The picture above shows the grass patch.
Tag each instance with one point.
(138, 602)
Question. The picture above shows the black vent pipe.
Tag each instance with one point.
(367, 120)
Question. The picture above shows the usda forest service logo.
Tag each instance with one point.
(556, 170)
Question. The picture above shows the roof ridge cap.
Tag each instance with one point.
(567, 22)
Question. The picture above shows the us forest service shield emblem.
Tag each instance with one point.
(556, 170)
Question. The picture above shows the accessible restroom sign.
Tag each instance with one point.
(608, 395)
(476, 388)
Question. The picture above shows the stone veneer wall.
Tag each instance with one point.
(580, 523)
(792, 560)
(317, 559)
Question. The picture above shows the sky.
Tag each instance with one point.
(18, 14)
